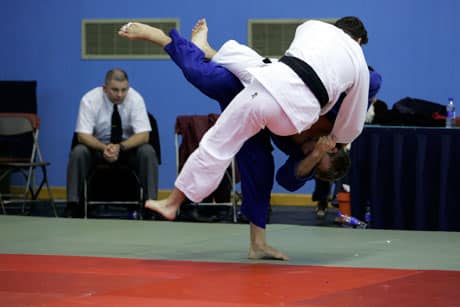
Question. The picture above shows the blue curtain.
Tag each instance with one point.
(409, 176)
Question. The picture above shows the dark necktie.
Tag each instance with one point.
(116, 132)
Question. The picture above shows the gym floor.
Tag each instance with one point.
(47, 261)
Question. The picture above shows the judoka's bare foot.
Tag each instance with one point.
(200, 38)
(167, 207)
(259, 249)
(140, 31)
(265, 252)
(163, 207)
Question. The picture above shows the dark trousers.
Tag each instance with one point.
(323, 189)
(321, 192)
(143, 160)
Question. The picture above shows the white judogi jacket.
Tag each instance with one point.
(336, 58)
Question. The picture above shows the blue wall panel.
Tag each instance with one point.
(413, 43)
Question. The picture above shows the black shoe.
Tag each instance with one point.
(335, 202)
(321, 210)
(242, 218)
(74, 210)
(68, 211)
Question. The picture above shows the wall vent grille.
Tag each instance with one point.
(100, 39)
(271, 37)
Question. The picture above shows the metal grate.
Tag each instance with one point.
(272, 37)
(100, 39)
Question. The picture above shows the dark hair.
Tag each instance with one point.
(353, 27)
(340, 165)
(116, 74)
(381, 112)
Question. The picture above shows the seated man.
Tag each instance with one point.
(112, 127)
(254, 158)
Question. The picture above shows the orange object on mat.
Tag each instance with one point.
(344, 202)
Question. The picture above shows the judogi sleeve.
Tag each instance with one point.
(285, 176)
(352, 114)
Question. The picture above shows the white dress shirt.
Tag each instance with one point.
(95, 115)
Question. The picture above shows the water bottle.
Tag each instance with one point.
(352, 221)
(450, 116)
(133, 215)
(367, 215)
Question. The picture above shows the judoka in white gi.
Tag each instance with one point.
(277, 97)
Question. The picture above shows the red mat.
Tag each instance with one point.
(31, 280)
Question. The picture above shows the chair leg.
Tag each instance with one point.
(3, 175)
(141, 202)
(28, 188)
(2, 204)
(233, 193)
(234, 209)
(51, 198)
(50, 193)
(85, 198)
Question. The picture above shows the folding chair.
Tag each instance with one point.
(22, 157)
(115, 184)
(190, 128)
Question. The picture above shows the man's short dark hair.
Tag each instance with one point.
(340, 165)
(353, 27)
(116, 74)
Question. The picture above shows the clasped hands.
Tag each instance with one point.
(320, 146)
(111, 152)
(326, 144)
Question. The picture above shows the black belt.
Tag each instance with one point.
(309, 77)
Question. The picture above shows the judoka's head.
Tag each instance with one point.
(333, 165)
(354, 27)
(116, 85)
